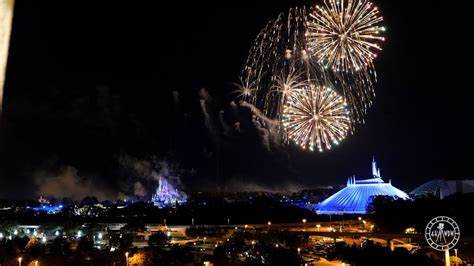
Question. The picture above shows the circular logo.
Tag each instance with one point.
(442, 232)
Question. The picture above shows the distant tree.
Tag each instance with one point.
(284, 257)
(220, 257)
(121, 241)
(60, 246)
(158, 239)
(133, 227)
(34, 248)
(89, 201)
(21, 241)
(179, 255)
(251, 261)
(86, 244)
(67, 201)
(11, 248)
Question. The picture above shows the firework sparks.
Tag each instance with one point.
(244, 89)
(316, 116)
(344, 34)
(331, 46)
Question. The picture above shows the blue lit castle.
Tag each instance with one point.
(355, 197)
(166, 195)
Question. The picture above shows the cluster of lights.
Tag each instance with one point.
(316, 116)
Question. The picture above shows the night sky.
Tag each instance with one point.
(89, 82)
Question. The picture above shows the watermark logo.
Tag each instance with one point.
(442, 233)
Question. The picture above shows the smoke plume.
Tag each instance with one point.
(67, 183)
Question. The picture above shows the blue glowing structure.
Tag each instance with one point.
(167, 196)
(50, 209)
(357, 195)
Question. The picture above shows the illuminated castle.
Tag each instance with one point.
(355, 197)
(166, 195)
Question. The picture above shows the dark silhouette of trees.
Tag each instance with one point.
(372, 254)
(158, 239)
(86, 244)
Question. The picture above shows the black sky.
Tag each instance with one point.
(90, 80)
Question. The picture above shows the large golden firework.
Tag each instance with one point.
(343, 35)
(316, 116)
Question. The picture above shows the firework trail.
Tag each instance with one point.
(300, 55)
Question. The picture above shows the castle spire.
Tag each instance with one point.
(374, 167)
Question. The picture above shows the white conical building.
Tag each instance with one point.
(357, 195)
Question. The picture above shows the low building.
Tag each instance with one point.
(441, 188)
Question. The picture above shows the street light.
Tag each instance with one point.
(318, 226)
(456, 254)
(304, 224)
(36, 263)
(204, 240)
(19, 261)
(126, 258)
(299, 250)
(269, 224)
(253, 243)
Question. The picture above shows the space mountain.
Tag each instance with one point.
(357, 195)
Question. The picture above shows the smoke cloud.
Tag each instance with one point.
(140, 177)
(67, 183)
(175, 97)
(268, 129)
(205, 95)
(227, 129)
(238, 185)
(139, 189)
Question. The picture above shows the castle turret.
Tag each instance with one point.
(374, 167)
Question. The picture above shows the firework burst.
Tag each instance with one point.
(344, 34)
(297, 57)
(316, 116)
